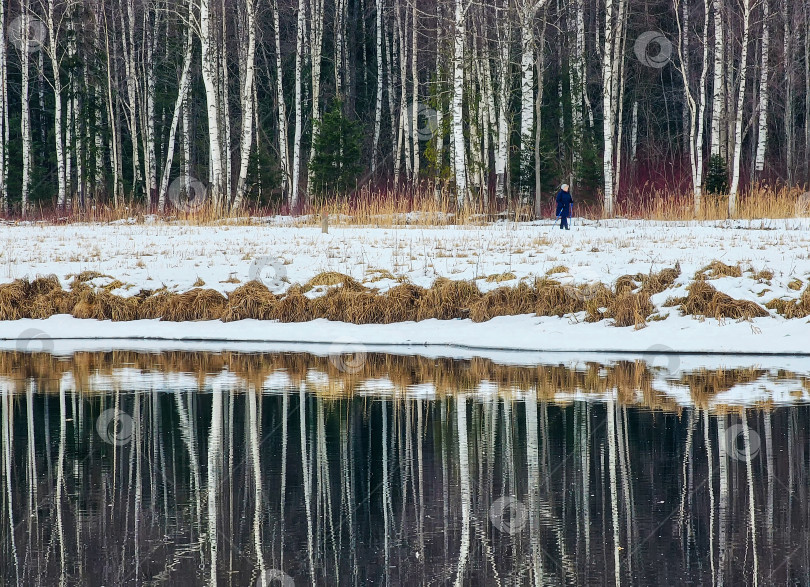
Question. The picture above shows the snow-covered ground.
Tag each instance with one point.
(151, 255)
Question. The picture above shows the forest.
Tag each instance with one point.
(275, 104)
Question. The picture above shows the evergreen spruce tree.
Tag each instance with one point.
(717, 176)
(336, 163)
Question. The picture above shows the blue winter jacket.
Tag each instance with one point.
(564, 201)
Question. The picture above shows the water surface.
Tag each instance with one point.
(200, 468)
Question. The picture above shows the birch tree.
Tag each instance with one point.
(762, 113)
(459, 150)
(209, 76)
(717, 82)
(23, 45)
(247, 101)
(696, 103)
(738, 123)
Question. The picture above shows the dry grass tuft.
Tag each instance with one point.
(501, 277)
(504, 301)
(195, 304)
(448, 299)
(763, 276)
(628, 283)
(799, 308)
(402, 303)
(705, 300)
(717, 269)
(13, 297)
(630, 309)
(293, 307)
(103, 305)
(557, 269)
(655, 283)
(330, 278)
(553, 299)
(795, 284)
(153, 304)
(252, 300)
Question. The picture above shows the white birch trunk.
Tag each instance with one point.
(717, 84)
(57, 94)
(316, 48)
(247, 103)
(738, 124)
(185, 79)
(789, 122)
(150, 152)
(4, 204)
(415, 98)
(608, 72)
(762, 132)
(283, 145)
(380, 82)
(209, 76)
(225, 113)
(299, 55)
(502, 148)
(527, 11)
(696, 107)
(458, 116)
(128, 45)
(26, 110)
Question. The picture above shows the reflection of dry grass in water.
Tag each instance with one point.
(632, 382)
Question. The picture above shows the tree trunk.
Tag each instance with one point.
(299, 54)
(380, 82)
(209, 75)
(457, 113)
(762, 132)
(283, 137)
(26, 110)
(717, 84)
(247, 103)
(738, 129)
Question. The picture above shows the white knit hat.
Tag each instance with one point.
(565, 187)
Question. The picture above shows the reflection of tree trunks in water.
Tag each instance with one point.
(722, 455)
(60, 478)
(386, 491)
(686, 480)
(445, 479)
(769, 461)
(508, 463)
(582, 423)
(5, 400)
(255, 459)
(33, 494)
(347, 490)
(533, 467)
(464, 482)
(421, 493)
(322, 476)
(751, 506)
(307, 476)
(214, 454)
(710, 465)
(285, 410)
(614, 492)
(624, 465)
(189, 437)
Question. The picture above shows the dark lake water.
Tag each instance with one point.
(204, 468)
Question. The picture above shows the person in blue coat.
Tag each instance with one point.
(564, 204)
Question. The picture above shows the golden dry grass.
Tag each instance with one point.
(705, 300)
(346, 300)
(799, 308)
